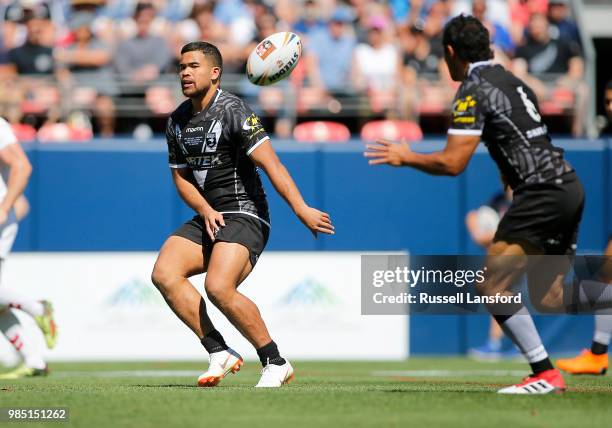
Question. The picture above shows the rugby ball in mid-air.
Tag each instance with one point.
(274, 58)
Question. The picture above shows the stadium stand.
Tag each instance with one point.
(113, 62)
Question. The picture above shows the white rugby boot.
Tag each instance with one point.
(220, 365)
(273, 376)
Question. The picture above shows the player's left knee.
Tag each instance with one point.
(218, 291)
(162, 278)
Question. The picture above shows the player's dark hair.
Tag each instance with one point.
(469, 38)
(609, 85)
(209, 50)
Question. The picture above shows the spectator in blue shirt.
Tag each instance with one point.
(561, 26)
(330, 52)
(310, 19)
(499, 35)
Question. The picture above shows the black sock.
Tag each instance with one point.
(268, 354)
(213, 342)
(541, 366)
(599, 348)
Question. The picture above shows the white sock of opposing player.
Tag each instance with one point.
(14, 299)
(16, 334)
(603, 332)
(603, 327)
(522, 331)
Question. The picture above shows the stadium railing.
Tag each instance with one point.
(48, 99)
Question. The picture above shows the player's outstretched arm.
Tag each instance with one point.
(183, 180)
(450, 161)
(20, 169)
(315, 220)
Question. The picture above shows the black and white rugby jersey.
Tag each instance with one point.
(215, 144)
(498, 106)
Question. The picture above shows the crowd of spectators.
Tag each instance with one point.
(109, 65)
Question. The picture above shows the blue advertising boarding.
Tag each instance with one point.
(117, 195)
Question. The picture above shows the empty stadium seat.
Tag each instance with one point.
(24, 132)
(61, 132)
(391, 130)
(321, 132)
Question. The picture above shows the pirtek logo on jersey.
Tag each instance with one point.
(195, 129)
(205, 161)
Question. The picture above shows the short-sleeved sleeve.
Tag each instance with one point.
(468, 112)
(247, 128)
(7, 136)
(176, 158)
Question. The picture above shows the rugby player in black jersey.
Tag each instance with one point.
(216, 145)
(543, 219)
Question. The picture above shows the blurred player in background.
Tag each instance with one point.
(595, 360)
(14, 175)
(607, 125)
(482, 224)
(548, 198)
(216, 144)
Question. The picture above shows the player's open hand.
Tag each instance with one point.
(386, 152)
(213, 221)
(316, 221)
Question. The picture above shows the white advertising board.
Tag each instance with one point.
(107, 308)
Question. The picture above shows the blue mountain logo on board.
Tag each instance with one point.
(308, 292)
(134, 293)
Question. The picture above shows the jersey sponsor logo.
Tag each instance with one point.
(462, 105)
(252, 125)
(202, 137)
(205, 161)
(463, 110)
(463, 119)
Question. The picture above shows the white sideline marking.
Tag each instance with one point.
(129, 373)
(195, 373)
(448, 373)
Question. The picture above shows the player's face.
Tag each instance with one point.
(196, 74)
(608, 103)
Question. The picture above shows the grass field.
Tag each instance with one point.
(421, 392)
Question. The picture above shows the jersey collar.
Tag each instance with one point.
(210, 103)
(217, 96)
(475, 65)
